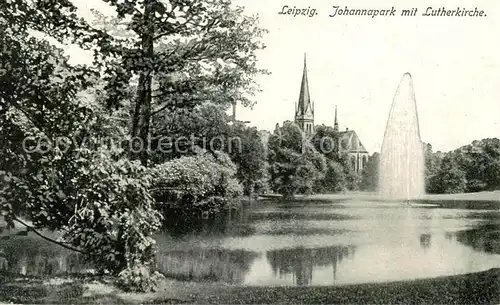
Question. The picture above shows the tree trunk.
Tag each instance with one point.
(142, 112)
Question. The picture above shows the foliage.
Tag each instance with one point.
(208, 126)
(325, 141)
(99, 200)
(341, 175)
(471, 168)
(140, 277)
(249, 152)
(38, 98)
(294, 164)
(114, 214)
(183, 53)
(450, 178)
(205, 126)
(370, 175)
(432, 165)
(334, 179)
(203, 184)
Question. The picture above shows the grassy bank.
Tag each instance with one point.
(475, 288)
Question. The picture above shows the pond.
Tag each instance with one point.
(314, 242)
(329, 243)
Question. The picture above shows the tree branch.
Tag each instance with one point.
(30, 228)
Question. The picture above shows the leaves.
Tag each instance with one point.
(294, 164)
(472, 168)
(204, 182)
(188, 61)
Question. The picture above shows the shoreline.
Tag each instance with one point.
(473, 288)
(487, 197)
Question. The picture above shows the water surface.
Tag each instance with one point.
(317, 243)
(304, 243)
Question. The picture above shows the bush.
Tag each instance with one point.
(114, 216)
(140, 278)
(204, 183)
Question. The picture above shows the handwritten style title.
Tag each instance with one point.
(385, 12)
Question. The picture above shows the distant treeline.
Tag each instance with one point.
(471, 168)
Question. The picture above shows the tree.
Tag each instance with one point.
(177, 54)
(325, 141)
(370, 175)
(478, 161)
(294, 164)
(184, 53)
(450, 178)
(53, 171)
(432, 165)
(183, 131)
(334, 179)
(169, 56)
(247, 149)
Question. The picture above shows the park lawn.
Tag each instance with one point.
(474, 288)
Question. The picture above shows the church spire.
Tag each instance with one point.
(304, 113)
(304, 99)
(336, 124)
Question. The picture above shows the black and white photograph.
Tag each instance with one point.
(249, 152)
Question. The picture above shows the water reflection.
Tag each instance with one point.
(301, 262)
(227, 222)
(32, 256)
(485, 238)
(425, 241)
(217, 265)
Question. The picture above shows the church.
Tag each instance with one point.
(349, 141)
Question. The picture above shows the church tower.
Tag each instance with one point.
(304, 112)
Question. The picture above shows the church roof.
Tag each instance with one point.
(304, 106)
(349, 142)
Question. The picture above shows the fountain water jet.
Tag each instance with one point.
(401, 174)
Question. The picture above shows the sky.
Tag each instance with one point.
(357, 62)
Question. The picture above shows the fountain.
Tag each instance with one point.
(402, 155)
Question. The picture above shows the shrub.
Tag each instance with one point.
(140, 277)
(202, 183)
(114, 215)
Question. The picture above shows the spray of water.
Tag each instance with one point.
(402, 154)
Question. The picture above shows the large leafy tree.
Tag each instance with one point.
(54, 172)
(335, 179)
(176, 53)
(481, 162)
(248, 150)
(450, 178)
(340, 174)
(182, 132)
(168, 57)
(294, 164)
(182, 54)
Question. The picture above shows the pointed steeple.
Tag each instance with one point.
(336, 124)
(304, 99)
(304, 112)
